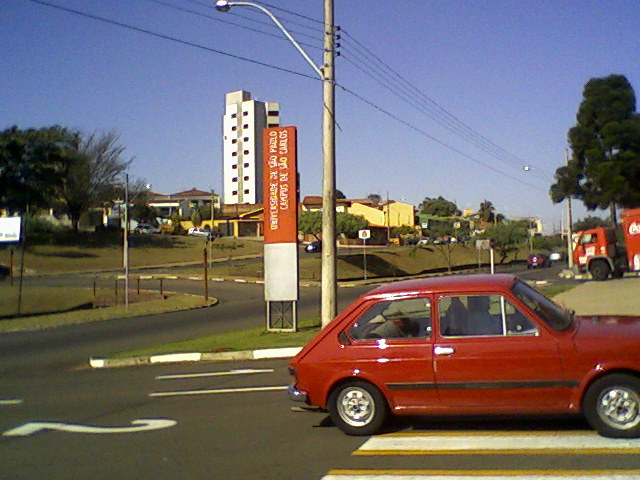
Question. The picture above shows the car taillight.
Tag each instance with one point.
(293, 376)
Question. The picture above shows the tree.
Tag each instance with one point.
(442, 232)
(340, 195)
(310, 223)
(32, 164)
(604, 170)
(349, 224)
(507, 237)
(439, 207)
(196, 218)
(589, 222)
(486, 212)
(91, 175)
(375, 198)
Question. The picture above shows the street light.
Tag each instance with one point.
(327, 75)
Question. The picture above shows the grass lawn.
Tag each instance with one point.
(88, 254)
(75, 305)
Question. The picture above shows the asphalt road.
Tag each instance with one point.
(62, 420)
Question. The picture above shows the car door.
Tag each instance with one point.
(391, 344)
(494, 358)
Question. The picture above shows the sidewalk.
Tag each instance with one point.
(616, 297)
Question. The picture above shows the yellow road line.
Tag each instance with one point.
(541, 473)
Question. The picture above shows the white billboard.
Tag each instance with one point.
(10, 229)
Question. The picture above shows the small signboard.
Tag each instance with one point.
(484, 244)
(364, 234)
(9, 229)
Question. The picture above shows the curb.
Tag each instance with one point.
(262, 354)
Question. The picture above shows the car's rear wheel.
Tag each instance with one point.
(612, 406)
(357, 408)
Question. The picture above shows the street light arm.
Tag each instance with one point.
(224, 6)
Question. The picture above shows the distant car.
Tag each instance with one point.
(145, 228)
(199, 232)
(536, 260)
(557, 256)
(470, 345)
(313, 247)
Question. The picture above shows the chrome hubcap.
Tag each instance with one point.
(356, 407)
(619, 408)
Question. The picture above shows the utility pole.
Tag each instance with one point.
(329, 265)
(125, 246)
(569, 221)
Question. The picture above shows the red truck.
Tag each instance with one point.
(599, 251)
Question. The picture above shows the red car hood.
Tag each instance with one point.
(602, 332)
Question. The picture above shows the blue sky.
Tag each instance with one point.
(506, 75)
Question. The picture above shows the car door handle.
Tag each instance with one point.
(444, 350)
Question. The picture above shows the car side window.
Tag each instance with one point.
(476, 315)
(402, 318)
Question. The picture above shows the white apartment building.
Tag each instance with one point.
(242, 125)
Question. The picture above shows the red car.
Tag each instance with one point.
(538, 260)
(476, 344)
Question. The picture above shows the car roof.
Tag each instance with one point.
(448, 284)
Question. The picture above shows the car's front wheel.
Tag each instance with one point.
(357, 408)
(612, 406)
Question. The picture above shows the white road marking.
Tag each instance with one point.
(216, 391)
(15, 401)
(496, 443)
(139, 426)
(246, 371)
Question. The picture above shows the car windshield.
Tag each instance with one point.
(554, 316)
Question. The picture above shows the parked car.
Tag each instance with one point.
(313, 247)
(470, 345)
(199, 232)
(538, 260)
(145, 228)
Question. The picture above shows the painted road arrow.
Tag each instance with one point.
(140, 425)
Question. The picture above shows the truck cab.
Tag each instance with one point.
(598, 250)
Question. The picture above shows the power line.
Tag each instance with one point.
(238, 57)
(435, 110)
(434, 139)
(170, 38)
(278, 35)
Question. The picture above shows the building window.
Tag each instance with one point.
(271, 125)
(273, 112)
(234, 154)
(235, 166)
(246, 192)
(234, 179)
(246, 165)
(245, 113)
(235, 192)
(246, 139)
(246, 178)
(246, 152)
(246, 125)
(233, 115)
(234, 128)
(235, 140)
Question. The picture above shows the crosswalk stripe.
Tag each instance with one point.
(501, 443)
